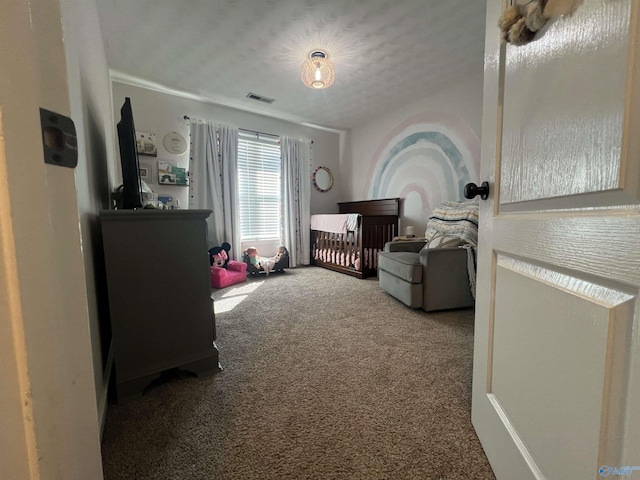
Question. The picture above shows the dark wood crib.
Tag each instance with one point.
(356, 251)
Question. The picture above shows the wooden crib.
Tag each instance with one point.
(355, 251)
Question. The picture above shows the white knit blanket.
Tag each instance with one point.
(454, 219)
(456, 224)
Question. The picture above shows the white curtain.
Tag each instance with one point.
(228, 154)
(296, 198)
(213, 180)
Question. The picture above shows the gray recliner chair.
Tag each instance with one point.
(423, 274)
(431, 279)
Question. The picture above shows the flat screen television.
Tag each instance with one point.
(131, 185)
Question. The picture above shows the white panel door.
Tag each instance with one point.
(49, 422)
(556, 382)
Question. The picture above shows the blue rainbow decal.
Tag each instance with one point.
(449, 159)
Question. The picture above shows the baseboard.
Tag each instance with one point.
(103, 401)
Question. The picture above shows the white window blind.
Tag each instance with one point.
(259, 187)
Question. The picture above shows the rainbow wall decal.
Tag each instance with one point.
(426, 160)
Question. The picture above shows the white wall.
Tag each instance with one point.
(161, 112)
(90, 101)
(421, 152)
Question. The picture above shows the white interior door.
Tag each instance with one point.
(49, 423)
(556, 383)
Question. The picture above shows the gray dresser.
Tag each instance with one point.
(160, 303)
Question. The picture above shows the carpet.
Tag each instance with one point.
(325, 377)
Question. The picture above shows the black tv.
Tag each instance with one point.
(131, 185)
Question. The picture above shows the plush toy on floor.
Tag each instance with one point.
(225, 272)
(219, 256)
(257, 264)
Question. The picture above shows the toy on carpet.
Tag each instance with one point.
(225, 272)
(219, 256)
(257, 264)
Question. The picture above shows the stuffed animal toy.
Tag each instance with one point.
(520, 22)
(219, 256)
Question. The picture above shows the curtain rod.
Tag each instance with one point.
(186, 117)
(263, 133)
(246, 130)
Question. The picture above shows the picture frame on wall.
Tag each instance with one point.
(147, 172)
(174, 143)
(146, 144)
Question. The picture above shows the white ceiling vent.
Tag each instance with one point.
(260, 98)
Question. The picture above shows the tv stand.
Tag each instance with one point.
(162, 317)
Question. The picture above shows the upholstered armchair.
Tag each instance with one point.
(235, 272)
(438, 273)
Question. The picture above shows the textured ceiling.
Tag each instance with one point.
(386, 53)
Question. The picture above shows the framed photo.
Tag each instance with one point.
(146, 144)
(147, 172)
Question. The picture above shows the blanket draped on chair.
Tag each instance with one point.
(456, 224)
(454, 219)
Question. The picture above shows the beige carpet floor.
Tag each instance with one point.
(325, 377)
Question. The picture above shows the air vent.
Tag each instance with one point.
(260, 98)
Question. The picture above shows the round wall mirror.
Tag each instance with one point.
(322, 179)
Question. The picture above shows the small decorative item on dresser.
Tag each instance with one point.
(410, 233)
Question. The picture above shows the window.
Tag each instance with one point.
(259, 188)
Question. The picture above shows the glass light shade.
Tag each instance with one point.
(318, 71)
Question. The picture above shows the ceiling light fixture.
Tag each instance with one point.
(318, 71)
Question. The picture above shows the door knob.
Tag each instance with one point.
(471, 190)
